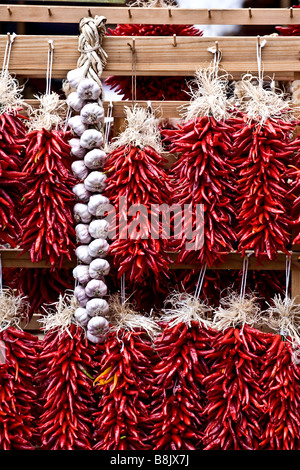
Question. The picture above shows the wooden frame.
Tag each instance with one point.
(158, 56)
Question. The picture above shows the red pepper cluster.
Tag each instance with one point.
(47, 209)
(13, 143)
(65, 398)
(121, 421)
(203, 176)
(152, 88)
(138, 176)
(18, 365)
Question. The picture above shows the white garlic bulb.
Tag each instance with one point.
(83, 233)
(81, 316)
(88, 90)
(92, 114)
(74, 101)
(96, 288)
(77, 126)
(98, 228)
(98, 326)
(95, 159)
(79, 169)
(95, 339)
(76, 149)
(99, 268)
(75, 76)
(91, 138)
(98, 205)
(81, 295)
(81, 274)
(83, 254)
(81, 193)
(95, 181)
(96, 307)
(81, 213)
(98, 248)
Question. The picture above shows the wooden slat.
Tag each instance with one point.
(156, 55)
(114, 15)
(12, 258)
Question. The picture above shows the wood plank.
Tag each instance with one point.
(12, 258)
(135, 15)
(156, 55)
(295, 284)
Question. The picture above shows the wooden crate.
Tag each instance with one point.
(160, 56)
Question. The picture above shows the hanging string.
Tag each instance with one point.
(49, 67)
(288, 263)
(108, 122)
(259, 45)
(244, 275)
(123, 292)
(133, 74)
(7, 53)
(216, 60)
(200, 281)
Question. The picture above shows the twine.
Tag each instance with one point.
(200, 281)
(7, 53)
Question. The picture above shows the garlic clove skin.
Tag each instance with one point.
(83, 234)
(81, 193)
(76, 125)
(81, 213)
(95, 181)
(75, 102)
(77, 75)
(88, 90)
(95, 339)
(98, 248)
(81, 316)
(91, 138)
(83, 255)
(99, 268)
(76, 149)
(96, 288)
(98, 205)
(92, 114)
(95, 159)
(81, 296)
(98, 326)
(95, 307)
(81, 274)
(79, 170)
(99, 228)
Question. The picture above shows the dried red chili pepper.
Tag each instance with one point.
(178, 398)
(13, 143)
(17, 392)
(137, 176)
(47, 208)
(263, 204)
(151, 88)
(66, 401)
(123, 384)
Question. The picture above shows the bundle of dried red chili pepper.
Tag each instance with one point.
(41, 287)
(124, 386)
(64, 381)
(47, 205)
(13, 143)
(151, 88)
(137, 185)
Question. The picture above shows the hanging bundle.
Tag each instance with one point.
(13, 143)
(203, 174)
(137, 186)
(178, 397)
(64, 381)
(46, 211)
(280, 378)
(84, 92)
(151, 88)
(124, 382)
(263, 205)
(18, 351)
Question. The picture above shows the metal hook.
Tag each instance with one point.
(291, 12)
(132, 46)
(170, 12)
(129, 13)
(51, 45)
(90, 12)
(174, 40)
(9, 10)
(217, 48)
(250, 12)
(209, 13)
(258, 41)
(49, 12)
